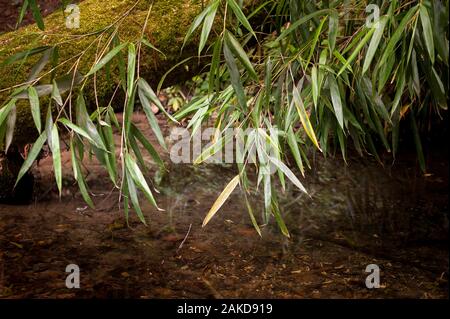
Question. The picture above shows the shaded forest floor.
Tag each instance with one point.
(359, 214)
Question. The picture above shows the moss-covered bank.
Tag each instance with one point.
(167, 25)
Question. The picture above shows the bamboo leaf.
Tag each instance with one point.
(10, 126)
(239, 52)
(153, 121)
(37, 14)
(108, 57)
(397, 35)
(374, 43)
(336, 100)
(207, 24)
(131, 69)
(148, 146)
(279, 220)
(195, 24)
(301, 21)
(221, 199)
(252, 217)
(304, 118)
(235, 77)
(293, 144)
(150, 94)
(151, 46)
(315, 85)
(357, 50)
(35, 109)
(39, 66)
(85, 122)
(24, 54)
(286, 171)
(79, 177)
(56, 95)
(240, 16)
(427, 31)
(23, 10)
(79, 131)
(134, 198)
(139, 179)
(333, 29)
(32, 155)
(56, 154)
(4, 112)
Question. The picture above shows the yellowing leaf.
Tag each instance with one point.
(221, 199)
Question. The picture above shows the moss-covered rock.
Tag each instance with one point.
(166, 28)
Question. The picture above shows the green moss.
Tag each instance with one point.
(168, 23)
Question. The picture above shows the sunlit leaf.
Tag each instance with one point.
(221, 199)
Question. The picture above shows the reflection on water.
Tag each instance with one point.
(393, 212)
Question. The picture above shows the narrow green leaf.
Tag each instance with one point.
(37, 14)
(4, 112)
(39, 66)
(32, 155)
(195, 24)
(240, 16)
(151, 46)
(23, 10)
(35, 109)
(79, 176)
(134, 197)
(336, 100)
(56, 95)
(148, 146)
(152, 120)
(235, 77)
(279, 219)
(357, 50)
(56, 154)
(374, 43)
(427, 31)
(139, 179)
(79, 131)
(293, 145)
(301, 21)
(10, 126)
(239, 52)
(24, 54)
(111, 54)
(85, 122)
(150, 94)
(252, 216)
(207, 24)
(215, 62)
(333, 29)
(131, 69)
(315, 85)
(399, 31)
(286, 171)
